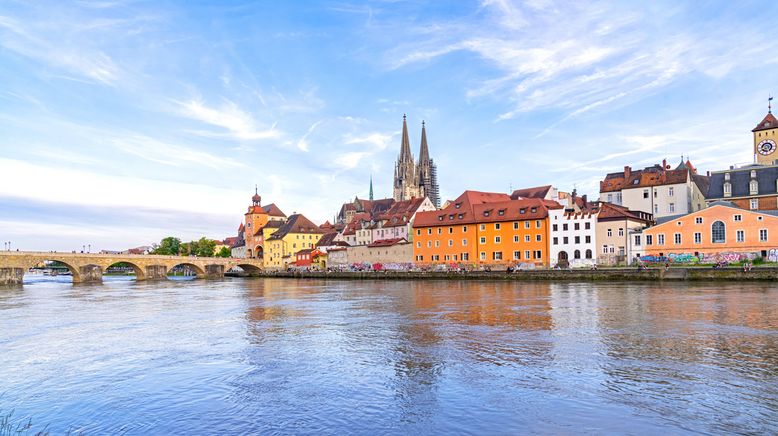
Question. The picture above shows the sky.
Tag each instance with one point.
(122, 122)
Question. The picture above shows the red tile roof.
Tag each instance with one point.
(536, 192)
(401, 212)
(649, 176)
(769, 122)
(356, 223)
(388, 242)
(610, 211)
(476, 207)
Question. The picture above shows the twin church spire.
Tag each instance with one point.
(413, 180)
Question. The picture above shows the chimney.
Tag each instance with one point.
(664, 164)
(708, 173)
(627, 171)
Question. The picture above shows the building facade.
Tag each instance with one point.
(573, 238)
(722, 231)
(658, 190)
(389, 253)
(485, 228)
(413, 180)
(296, 234)
(618, 228)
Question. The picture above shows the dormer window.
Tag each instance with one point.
(523, 210)
(501, 212)
(460, 216)
(534, 209)
(451, 217)
(726, 176)
(753, 174)
(458, 205)
(753, 187)
(440, 218)
(727, 189)
(486, 213)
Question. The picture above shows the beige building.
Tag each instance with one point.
(337, 258)
(615, 226)
(391, 253)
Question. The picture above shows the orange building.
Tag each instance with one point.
(721, 228)
(484, 228)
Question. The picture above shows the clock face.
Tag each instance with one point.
(766, 147)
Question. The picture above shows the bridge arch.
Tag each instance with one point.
(81, 272)
(248, 268)
(140, 273)
(188, 267)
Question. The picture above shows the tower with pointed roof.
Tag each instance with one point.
(371, 187)
(415, 180)
(766, 138)
(426, 171)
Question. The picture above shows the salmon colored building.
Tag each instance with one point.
(719, 229)
(484, 228)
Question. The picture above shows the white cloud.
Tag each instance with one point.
(170, 154)
(238, 123)
(302, 144)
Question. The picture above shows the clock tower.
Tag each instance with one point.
(766, 138)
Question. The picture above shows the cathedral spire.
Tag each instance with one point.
(424, 152)
(405, 147)
(371, 187)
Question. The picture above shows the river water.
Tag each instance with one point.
(266, 356)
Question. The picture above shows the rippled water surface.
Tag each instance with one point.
(263, 356)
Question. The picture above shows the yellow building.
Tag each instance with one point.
(297, 233)
(765, 139)
(257, 219)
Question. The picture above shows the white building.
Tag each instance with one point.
(397, 222)
(573, 238)
(657, 190)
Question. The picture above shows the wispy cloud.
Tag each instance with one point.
(164, 153)
(238, 123)
(302, 144)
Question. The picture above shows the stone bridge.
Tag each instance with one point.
(87, 267)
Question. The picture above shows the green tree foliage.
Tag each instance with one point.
(205, 247)
(169, 246)
(224, 252)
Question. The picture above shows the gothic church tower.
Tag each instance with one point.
(412, 180)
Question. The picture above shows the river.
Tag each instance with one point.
(267, 356)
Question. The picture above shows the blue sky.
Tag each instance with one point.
(125, 121)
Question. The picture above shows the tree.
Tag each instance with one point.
(224, 252)
(204, 247)
(169, 246)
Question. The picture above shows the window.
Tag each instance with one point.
(497, 255)
(538, 254)
(418, 244)
(618, 198)
(450, 242)
(555, 227)
(726, 176)
(464, 229)
(501, 212)
(516, 226)
(754, 203)
(718, 233)
(577, 239)
(698, 220)
(437, 243)
(464, 242)
(604, 249)
(515, 238)
(538, 224)
(565, 240)
(762, 235)
(483, 255)
(533, 209)
(429, 231)
(637, 240)
(483, 226)
(660, 239)
(538, 238)
(649, 239)
(677, 238)
(465, 256)
(460, 216)
(564, 227)
(496, 226)
(577, 254)
(588, 239)
(523, 210)
(497, 239)
(645, 193)
(753, 187)
(588, 254)
(727, 189)
(486, 213)
(610, 198)
(610, 233)
(670, 191)
(698, 238)
(740, 236)
(656, 209)
(556, 241)
(577, 226)
(516, 255)
(451, 230)
(587, 226)
(671, 207)
(621, 232)
(737, 217)
(483, 240)
(527, 238)
(526, 254)
(440, 230)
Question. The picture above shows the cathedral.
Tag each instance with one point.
(414, 180)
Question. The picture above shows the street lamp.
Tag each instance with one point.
(89, 248)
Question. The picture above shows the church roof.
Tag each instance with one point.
(405, 145)
(769, 122)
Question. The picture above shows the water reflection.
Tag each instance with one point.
(306, 356)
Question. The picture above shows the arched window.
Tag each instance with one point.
(718, 232)
(588, 254)
(577, 254)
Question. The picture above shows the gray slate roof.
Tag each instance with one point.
(741, 177)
